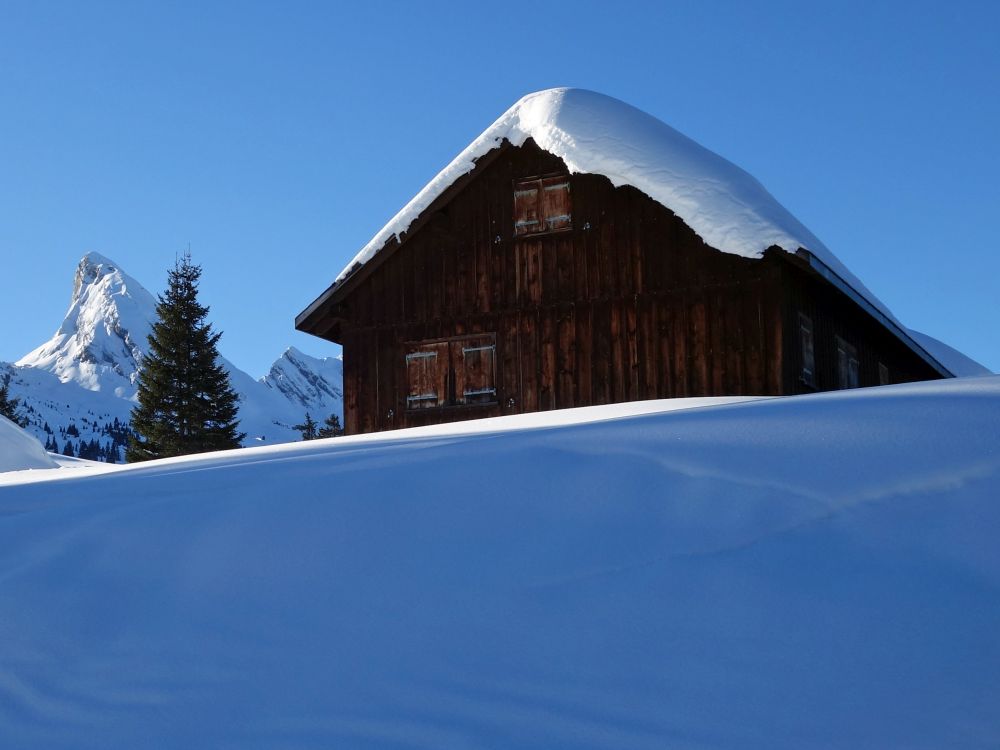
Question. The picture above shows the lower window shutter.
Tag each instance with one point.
(426, 375)
(475, 370)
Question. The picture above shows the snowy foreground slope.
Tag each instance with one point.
(19, 450)
(816, 572)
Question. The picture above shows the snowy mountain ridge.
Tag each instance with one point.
(308, 381)
(101, 341)
(79, 386)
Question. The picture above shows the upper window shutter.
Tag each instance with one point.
(555, 203)
(427, 376)
(474, 361)
(526, 219)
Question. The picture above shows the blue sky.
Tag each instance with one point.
(276, 138)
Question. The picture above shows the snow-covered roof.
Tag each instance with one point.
(597, 134)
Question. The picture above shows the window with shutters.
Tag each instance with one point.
(808, 374)
(542, 204)
(453, 372)
(848, 367)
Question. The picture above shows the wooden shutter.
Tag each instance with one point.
(808, 355)
(427, 375)
(542, 204)
(474, 361)
(526, 220)
(848, 367)
(555, 208)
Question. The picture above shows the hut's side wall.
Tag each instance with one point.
(628, 304)
(834, 317)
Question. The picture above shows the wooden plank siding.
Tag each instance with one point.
(628, 303)
(811, 296)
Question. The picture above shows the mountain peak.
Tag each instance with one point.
(92, 267)
(312, 383)
(103, 334)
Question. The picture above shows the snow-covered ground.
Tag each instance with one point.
(817, 571)
(20, 451)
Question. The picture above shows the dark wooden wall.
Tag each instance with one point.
(629, 304)
(833, 315)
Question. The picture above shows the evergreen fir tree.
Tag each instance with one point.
(186, 402)
(307, 428)
(331, 427)
(68, 450)
(8, 405)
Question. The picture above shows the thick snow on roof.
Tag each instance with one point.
(961, 365)
(598, 134)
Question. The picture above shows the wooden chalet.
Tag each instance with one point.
(524, 285)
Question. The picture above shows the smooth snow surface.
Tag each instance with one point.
(805, 572)
(597, 134)
(19, 450)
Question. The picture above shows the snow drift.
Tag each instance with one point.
(816, 571)
(19, 450)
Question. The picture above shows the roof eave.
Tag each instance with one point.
(834, 278)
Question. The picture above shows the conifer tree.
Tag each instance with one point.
(186, 402)
(307, 428)
(8, 405)
(331, 427)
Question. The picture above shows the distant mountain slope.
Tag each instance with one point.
(315, 384)
(79, 386)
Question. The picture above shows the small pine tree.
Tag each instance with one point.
(186, 402)
(308, 428)
(68, 450)
(331, 427)
(8, 405)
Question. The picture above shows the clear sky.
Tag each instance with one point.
(276, 138)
